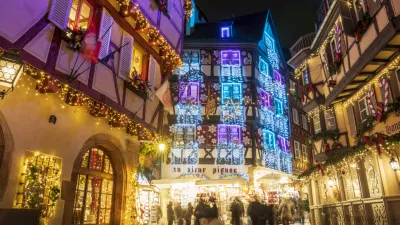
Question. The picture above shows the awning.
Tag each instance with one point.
(239, 182)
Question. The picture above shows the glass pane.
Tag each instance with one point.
(85, 15)
(96, 159)
(137, 60)
(102, 216)
(85, 160)
(79, 199)
(77, 216)
(107, 165)
(81, 182)
(72, 14)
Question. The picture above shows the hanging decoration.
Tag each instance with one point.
(141, 86)
(371, 106)
(383, 107)
(362, 26)
(163, 6)
(188, 9)
(75, 38)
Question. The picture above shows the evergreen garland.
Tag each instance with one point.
(329, 134)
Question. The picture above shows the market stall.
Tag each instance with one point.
(148, 202)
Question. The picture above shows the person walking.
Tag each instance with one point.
(270, 214)
(286, 211)
(236, 212)
(214, 209)
(200, 211)
(179, 213)
(189, 213)
(170, 213)
(255, 211)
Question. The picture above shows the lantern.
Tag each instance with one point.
(394, 164)
(161, 147)
(10, 70)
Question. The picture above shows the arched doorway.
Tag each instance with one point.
(94, 190)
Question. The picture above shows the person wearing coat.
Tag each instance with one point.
(199, 212)
(179, 213)
(255, 211)
(286, 211)
(189, 213)
(170, 213)
(236, 212)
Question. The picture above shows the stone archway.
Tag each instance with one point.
(6, 148)
(112, 147)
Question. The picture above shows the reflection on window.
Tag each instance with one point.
(317, 124)
(364, 112)
(351, 183)
(80, 15)
(94, 189)
(330, 120)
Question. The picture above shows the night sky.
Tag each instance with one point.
(293, 18)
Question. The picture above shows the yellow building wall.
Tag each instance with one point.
(27, 117)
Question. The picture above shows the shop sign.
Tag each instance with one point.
(215, 170)
(390, 129)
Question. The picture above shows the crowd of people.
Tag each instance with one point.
(257, 213)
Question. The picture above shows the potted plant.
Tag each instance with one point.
(139, 85)
(75, 38)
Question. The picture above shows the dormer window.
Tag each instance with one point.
(226, 32)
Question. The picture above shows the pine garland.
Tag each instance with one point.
(329, 134)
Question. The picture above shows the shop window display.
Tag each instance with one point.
(148, 202)
(94, 189)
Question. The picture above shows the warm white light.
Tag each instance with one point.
(394, 164)
(161, 147)
(331, 183)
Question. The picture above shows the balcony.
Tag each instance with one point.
(302, 43)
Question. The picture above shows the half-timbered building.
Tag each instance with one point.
(349, 87)
(77, 87)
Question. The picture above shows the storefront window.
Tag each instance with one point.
(351, 182)
(94, 189)
(80, 15)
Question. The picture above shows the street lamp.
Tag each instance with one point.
(161, 147)
(394, 162)
(11, 66)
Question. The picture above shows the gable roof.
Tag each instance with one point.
(248, 28)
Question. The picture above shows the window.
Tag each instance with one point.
(231, 91)
(278, 107)
(295, 116)
(297, 153)
(230, 63)
(363, 106)
(229, 134)
(265, 98)
(94, 189)
(317, 124)
(139, 62)
(189, 92)
(263, 66)
(269, 139)
(282, 144)
(292, 87)
(191, 60)
(226, 32)
(398, 77)
(81, 14)
(333, 48)
(304, 152)
(278, 77)
(185, 134)
(330, 119)
(306, 79)
(304, 120)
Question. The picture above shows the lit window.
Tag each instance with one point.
(265, 99)
(229, 134)
(330, 120)
(306, 79)
(278, 77)
(230, 63)
(225, 32)
(185, 134)
(80, 15)
(295, 115)
(278, 107)
(137, 62)
(94, 189)
(364, 112)
(297, 153)
(304, 152)
(269, 139)
(304, 120)
(190, 60)
(317, 124)
(231, 91)
(189, 91)
(292, 86)
(263, 67)
(282, 143)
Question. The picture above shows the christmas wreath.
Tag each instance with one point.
(163, 6)
(75, 42)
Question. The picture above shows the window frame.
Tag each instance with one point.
(304, 122)
(364, 99)
(145, 62)
(332, 114)
(304, 152)
(186, 94)
(273, 139)
(92, 6)
(319, 124)
(184, 134)
(265, 98)
(278, 107)
(230, 86)
(297, 116)
(297, 151)
(229, 129)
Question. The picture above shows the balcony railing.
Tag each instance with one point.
(302, 43)
(323, 9)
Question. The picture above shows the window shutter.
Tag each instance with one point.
(105, 33)
(235, 134)
(351, 120)
(183, 89)
(328, 52)
(125, 59)
(152, 75)
(59, 12)
(348, 20)
(373, 6)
